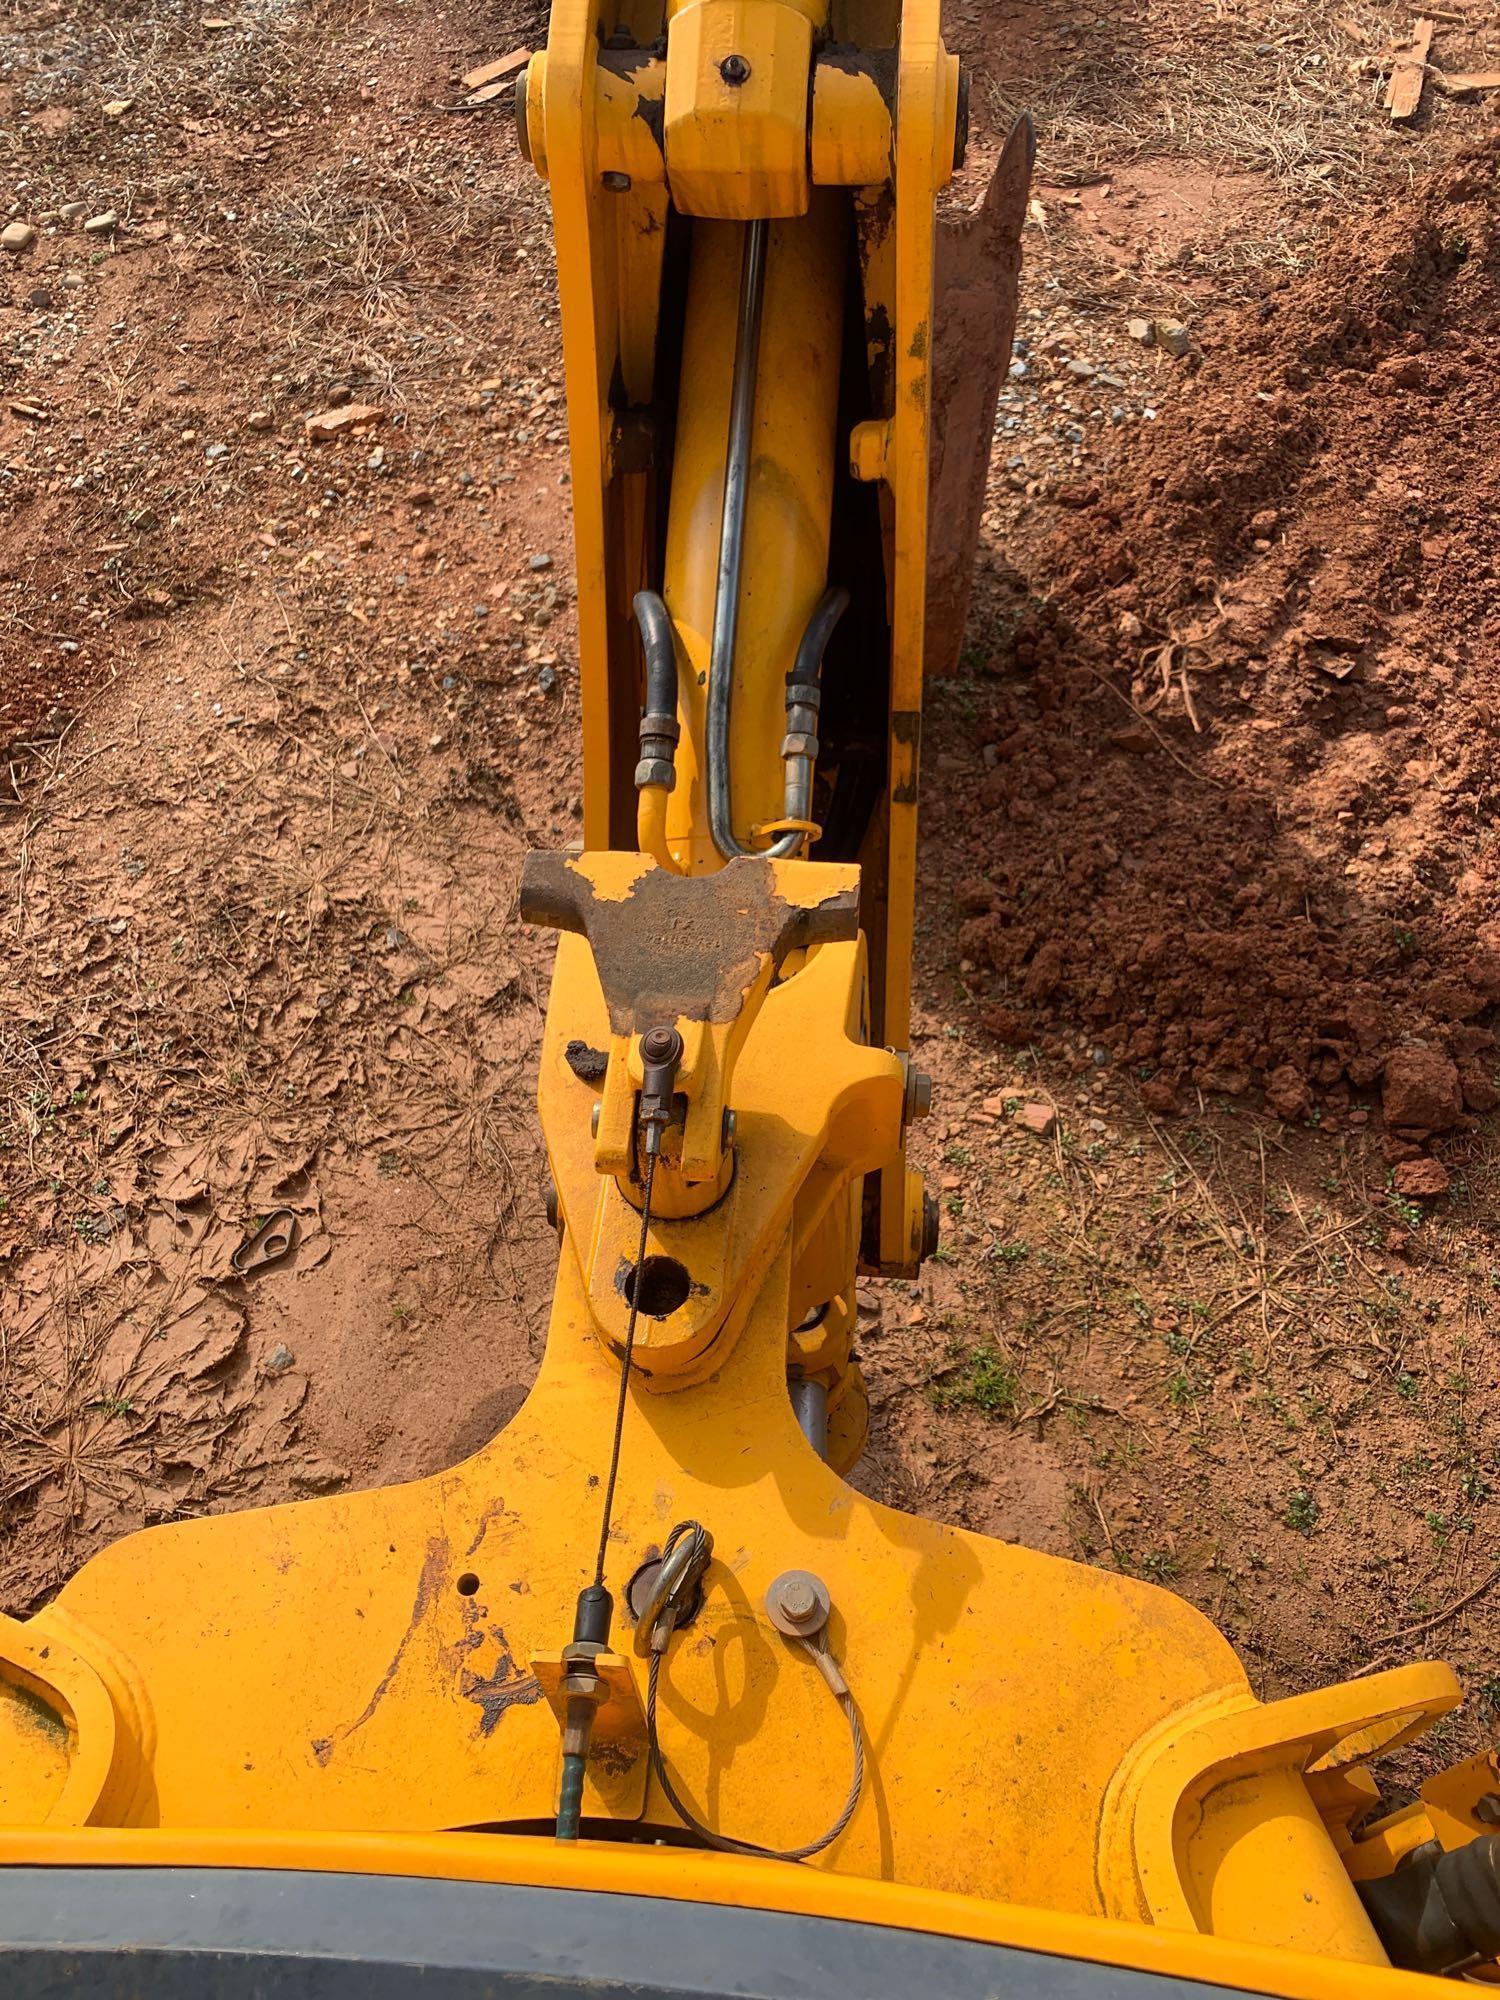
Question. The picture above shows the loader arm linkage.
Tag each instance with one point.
(651, 1610)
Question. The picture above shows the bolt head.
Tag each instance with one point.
(797, 1603)
(1487, 1809)
(660, 1045)
(735, 71)
(797, 1599)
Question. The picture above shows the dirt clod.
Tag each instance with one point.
(1421, 1180)
(1422, 1089)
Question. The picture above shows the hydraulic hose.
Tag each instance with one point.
(660, 647)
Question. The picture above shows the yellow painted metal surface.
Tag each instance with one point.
(852, 134)
(1040, 1734)
(359, 1661)
(738, 74)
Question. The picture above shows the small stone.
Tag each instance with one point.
(420, 496)
(348, 417)
(101, 225)
(40, 297)
(546, 680)
(1143, 330)
(1136, 740)
(73, 282)
(260, 420)
(118, 106)
(279, 1360)
(539, 562)
(1040, 1119)
(73, 211)
(16, 237)
(1421, 1180)
(214, 452)
(1173, 338)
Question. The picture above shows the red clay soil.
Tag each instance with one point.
(1240, 768)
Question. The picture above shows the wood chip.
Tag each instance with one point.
(31, 410)
(495, 72)
(489, 93)
(1457, 81)
(1404, 92)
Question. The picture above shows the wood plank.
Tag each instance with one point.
(496, 72)
(1457, 81)
(1404, 92)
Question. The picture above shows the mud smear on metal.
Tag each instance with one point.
(434, 1566)
(679, 947)
(976, 286)
(507, 1687)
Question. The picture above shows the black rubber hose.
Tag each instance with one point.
(803, 696)
(660, 648)
(808, 667)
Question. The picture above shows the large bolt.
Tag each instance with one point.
(798, 1604)
(918, 1093)
(661, 1045)
(1487, 1809)
(798, 1600)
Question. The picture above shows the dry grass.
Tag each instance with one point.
(1291, 91)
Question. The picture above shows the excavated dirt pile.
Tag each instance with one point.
(1241, 766)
